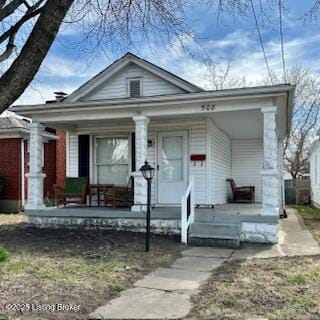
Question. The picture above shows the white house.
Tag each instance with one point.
(188, 134)
(315, 172)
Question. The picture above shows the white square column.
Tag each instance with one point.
(141, 143)
(35, 175)
(270, 172)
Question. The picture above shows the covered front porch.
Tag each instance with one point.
(194, 143)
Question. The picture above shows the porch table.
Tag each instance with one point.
(101, 188)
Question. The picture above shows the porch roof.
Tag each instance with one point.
(177, 104)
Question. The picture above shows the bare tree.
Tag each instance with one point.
(305, 118)
(29, 27)
(219, 76)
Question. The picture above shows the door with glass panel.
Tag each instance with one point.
(172, 166)
(112, 160)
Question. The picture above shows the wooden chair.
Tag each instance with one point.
(242, 193)
(120, 196)
(74, 191)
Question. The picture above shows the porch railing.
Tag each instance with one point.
(187, 211)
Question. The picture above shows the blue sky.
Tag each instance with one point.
(233, 41)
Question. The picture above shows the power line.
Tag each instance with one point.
(261, 42)
(281, 41)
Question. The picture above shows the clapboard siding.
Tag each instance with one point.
(247, 161)
(73, 167)
(220, 164)
(197, 145)
(116, 86)
(315, 175)
(151, 157)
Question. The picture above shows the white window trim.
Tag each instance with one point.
(134, 79)
(94, 155)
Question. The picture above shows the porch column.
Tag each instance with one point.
(141, 141)
(270, 172)
(35, 175)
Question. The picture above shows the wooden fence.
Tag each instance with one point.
(297, 191)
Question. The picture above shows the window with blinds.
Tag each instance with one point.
(134, 88)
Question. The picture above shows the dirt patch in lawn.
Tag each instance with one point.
(78, 267)
(278, 288)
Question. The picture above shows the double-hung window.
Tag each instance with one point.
(112, 155)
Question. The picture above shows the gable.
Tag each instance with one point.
(116, 86)
(112, 82)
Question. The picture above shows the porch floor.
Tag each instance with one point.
(243, 209)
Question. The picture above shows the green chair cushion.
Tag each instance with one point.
(74, 185)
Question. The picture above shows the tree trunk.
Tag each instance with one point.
(24, 68)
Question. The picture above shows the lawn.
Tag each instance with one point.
(79, 267)
(311, 217)
(277, 288)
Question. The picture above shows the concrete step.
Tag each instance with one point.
(216, 241)
(217, 217)
(215, 229)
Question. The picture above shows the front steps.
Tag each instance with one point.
(207, 230)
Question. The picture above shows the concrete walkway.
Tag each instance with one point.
(165, 293)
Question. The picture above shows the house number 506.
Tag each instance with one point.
(208, 107)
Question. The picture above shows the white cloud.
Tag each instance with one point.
(239, 48)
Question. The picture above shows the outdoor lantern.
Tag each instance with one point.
(148, 172)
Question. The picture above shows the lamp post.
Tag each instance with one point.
(148, 172)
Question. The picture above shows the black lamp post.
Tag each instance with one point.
(148, 173)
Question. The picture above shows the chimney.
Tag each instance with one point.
(60, 95)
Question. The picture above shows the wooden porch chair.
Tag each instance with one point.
(74, 191)
(120, 196)
(242, 193)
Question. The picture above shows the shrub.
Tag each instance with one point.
(4, 255)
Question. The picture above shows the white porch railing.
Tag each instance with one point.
(187, 211)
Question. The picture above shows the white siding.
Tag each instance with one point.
(73, 155)
(151, 157)
(116, 86)
(247, 162)
(220, 164)
(315, 175)
(197, 145)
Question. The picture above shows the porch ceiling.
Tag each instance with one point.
(240, 124)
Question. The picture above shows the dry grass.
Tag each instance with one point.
(311, 217)
(278, 288)
(85, 268)
(12, 219)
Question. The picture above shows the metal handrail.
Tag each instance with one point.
(187, 211)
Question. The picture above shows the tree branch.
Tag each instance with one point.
(9, 9)
(23, 69)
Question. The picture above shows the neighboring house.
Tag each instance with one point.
(135, 111)
(315, 172)
(14, 140)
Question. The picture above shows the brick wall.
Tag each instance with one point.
(61, 157)
(49, 168)
(10, 168)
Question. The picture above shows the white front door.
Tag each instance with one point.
(172, 166)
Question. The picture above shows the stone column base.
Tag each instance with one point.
(35, 191)
(259, 232)
(140, 192)
(270, 192)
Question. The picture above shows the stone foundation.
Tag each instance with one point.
(158, 226)
(259, 232)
